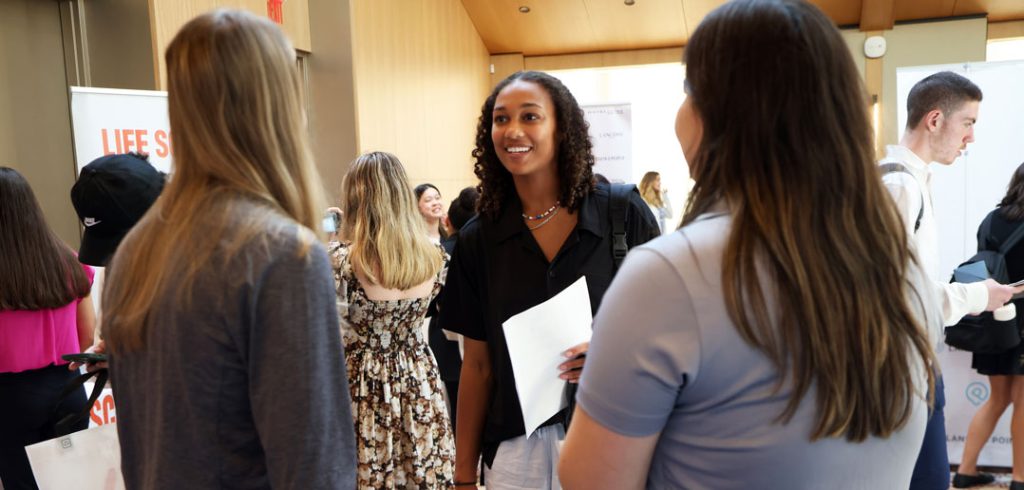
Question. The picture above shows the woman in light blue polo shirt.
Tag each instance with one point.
(780, 338)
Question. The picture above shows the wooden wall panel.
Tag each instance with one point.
(503, 65)
(167, 16)
(922, 9)
(842, 12)
(646, 24)
(551, 26)
(997, 10)
(555, 27)
(421, 75)
(1006, 30)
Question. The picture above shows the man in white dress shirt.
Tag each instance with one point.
(941, 112)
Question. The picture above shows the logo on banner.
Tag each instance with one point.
(977, 393)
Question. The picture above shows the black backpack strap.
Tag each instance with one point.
(619, 200)
(1012, 239)
(65, 424)
(887, 168)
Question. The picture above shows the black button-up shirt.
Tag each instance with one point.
(499, 270)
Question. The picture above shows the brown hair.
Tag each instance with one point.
(575, 158)
(1012, 205)
(788, 148)
(243, 171)
(37, 270)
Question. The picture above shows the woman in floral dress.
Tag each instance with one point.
(387, 271)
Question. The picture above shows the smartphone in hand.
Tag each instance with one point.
(85, 357)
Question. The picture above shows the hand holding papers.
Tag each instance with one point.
(536, 340)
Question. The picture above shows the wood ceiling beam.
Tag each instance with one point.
(877, 15)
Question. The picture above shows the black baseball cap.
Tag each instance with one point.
(112, 193)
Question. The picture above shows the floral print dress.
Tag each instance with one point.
(403, 434)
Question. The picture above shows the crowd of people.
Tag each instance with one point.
(782, 336)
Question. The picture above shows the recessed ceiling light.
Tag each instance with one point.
(630, 2)
(524, 9)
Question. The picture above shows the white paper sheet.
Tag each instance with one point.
(536, 339)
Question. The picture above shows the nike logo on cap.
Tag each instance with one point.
(90, 221)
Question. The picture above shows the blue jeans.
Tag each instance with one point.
(931, 472)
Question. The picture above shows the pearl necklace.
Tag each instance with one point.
(543, 215)
(551, 214)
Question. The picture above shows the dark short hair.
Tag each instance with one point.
(945, 91)
(463, 208)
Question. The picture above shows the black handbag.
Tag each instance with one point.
(983, 334)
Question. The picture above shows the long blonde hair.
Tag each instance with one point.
(648, 192)
(236, 114)
(389, 242)
(787, 145)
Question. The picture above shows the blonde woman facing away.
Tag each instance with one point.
(220, 318)
(782, 338)
(386, 272)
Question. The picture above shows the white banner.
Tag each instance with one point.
(108, 121)
(963, 193)
(611, 133)
(103, 412)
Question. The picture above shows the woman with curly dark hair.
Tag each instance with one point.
(543, 224)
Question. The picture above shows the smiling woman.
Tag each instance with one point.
(428, 199)
(543, 225)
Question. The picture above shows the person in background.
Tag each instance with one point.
(1005, 370)
(111, 195)
(446, 351)
(45, 312)
(941, 112)
(656, 198)
(542, 225)
(387, 272)
(600, 179)
(219, 316)
(786, 327)
(428, 200)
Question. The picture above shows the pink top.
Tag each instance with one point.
(33, 339)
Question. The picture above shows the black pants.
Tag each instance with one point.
(27, 416)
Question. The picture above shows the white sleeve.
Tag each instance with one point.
(959, 299)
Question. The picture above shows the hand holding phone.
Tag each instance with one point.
(92, 362)
(332, 220)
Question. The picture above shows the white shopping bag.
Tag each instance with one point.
(83, 460)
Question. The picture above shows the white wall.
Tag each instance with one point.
(655, 93)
